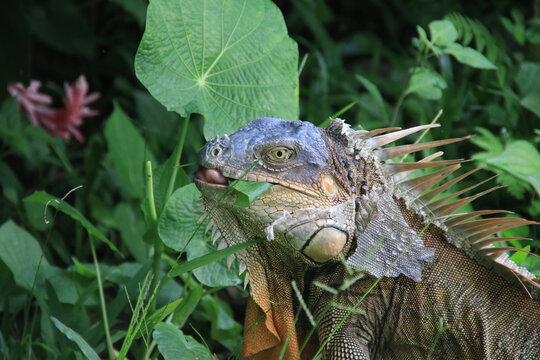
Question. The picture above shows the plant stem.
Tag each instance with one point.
(398, 104)
(158, 245)
(150, 191)
(110, 348)
(177, 156)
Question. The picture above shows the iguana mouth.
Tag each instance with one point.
(222, 178)
(211, 176)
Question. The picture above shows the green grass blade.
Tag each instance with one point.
(209, 258)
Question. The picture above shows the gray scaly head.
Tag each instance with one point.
(295, 157)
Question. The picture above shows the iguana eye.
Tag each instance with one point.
(280, 153)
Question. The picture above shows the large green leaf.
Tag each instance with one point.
(469, 56)
(427, 83)
(48, 200)
(21, 253)
(128, 151)
(229, 60)
(173, 344)
(179, 230)
(74, 336)
(527, 77)
(23, 257)
(522, 160)
(532, 102)
(249, 191)
(443, 32)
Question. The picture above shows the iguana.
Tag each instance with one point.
(382, 269)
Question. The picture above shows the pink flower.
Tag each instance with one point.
(58, 122)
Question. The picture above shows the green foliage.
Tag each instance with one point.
(86, 349)
(46, 200)
(517, 162)
(158, 293)
(21, 253)
(180, 230)
(472, 29)
(210, 58)
(427, 84)
(128, 152)
(173, 344)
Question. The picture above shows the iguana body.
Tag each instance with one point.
(381, 274)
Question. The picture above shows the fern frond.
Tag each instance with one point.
(469, 29)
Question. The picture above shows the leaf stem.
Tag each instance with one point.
(177, 156)
(150, 191)
(110, 348)
(158, 245)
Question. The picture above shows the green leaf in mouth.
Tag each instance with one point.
(249, 191)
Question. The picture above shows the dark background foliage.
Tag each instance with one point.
(55, 41)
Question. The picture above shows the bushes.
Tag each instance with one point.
(60, 274)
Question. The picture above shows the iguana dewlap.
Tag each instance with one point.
(381, 270)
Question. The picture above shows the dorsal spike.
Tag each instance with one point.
(424, 182)
(475, 226)
(396, 151)
(535, 281)
(456, 205)
(438, 203)
(499, 250)
(486, 242)
(381, 140)
(461, 218)
(374, 132)
(394, 168)
(402, 175)
(482, 234)
(433, 193)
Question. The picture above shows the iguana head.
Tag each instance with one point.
(299, 160)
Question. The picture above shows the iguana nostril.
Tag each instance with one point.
(216, 151)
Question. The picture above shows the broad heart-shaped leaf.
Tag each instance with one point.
(229, 60)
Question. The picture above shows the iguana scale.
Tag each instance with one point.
(381, 269)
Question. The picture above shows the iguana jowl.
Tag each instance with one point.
(421, 271)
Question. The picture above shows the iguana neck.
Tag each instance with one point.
(272, 320)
